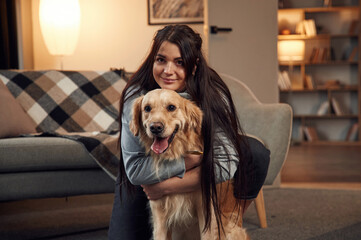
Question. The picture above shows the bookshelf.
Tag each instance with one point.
(324, 87)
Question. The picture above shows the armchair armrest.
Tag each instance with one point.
(272, 123)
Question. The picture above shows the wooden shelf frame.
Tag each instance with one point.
(305, 119)
(349, 88)
(319, 36)
(328, 143)
(339, 62)
(321, 9)
(326, 116)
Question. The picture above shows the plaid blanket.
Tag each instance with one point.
(73, 104)
(67, 101)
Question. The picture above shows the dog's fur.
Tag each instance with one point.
(158, 115)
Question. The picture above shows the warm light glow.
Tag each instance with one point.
(291, 50)
(59, 23)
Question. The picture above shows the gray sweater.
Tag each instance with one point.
(139, 166)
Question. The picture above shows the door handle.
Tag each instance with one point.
(215, 29)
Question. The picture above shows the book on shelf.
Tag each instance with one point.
(353, 55)
(310, 134)
(325, 54)
(306, 27)
(350, 53)
(284, 81)
(287, 80)
(352, 132)
(353, 27)
(336, 107)
(314, 55)
(320, 55)
(309, 83)
(310, 27)
(323, 109)
(280, 82)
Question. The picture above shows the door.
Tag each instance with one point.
(249, 51)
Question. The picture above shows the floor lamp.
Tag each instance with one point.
(59, 24)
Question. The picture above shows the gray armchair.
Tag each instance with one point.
(271, 123)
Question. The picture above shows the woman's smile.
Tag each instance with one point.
(167, 80)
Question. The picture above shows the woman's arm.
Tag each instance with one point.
(224, 154)
(189, 183)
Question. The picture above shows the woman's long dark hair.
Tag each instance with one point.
(211, 94)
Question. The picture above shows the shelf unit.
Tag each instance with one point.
(338, 35)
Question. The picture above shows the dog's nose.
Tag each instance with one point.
(156, 127)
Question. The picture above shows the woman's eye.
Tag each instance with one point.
(171, 108)
(160, 60)
(179, 63)
(147, 109)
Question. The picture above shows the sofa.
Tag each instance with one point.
(59, 129)
(58, 133)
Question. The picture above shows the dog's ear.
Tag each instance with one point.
(195, 117)
(135, 123)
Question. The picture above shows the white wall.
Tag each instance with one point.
(249, 52)
(113, 33)
(25, 34)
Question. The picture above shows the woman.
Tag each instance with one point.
(176, 62)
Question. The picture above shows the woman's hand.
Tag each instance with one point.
(154, 191)
(189, 183)
(192, 160)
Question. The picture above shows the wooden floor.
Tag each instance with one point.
(326, 166)
(323, 185)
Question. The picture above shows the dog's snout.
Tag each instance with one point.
(156, 127)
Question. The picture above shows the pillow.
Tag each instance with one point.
(13, 120)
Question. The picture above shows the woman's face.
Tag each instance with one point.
(168, 68)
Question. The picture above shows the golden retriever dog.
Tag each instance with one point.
(169, 126)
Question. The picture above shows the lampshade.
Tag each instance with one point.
(291, 50)
(59, 24)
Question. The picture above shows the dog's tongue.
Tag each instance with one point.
(159, 145)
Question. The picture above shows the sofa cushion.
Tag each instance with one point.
(67, 101)
(49, 184)
(42, 154)
(13, 120)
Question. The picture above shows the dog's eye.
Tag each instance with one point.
(171, 108)
(147, 108)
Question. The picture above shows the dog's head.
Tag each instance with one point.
(162, 117)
